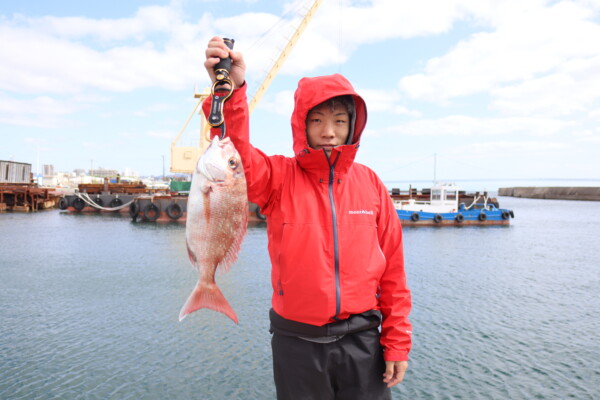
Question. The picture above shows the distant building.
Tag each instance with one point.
(48, 170)
(128, 172)
(104, 173)
(14, 172)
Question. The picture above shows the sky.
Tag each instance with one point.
(456, 89)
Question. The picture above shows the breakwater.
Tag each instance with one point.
(557, 193)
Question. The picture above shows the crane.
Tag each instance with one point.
(183, 158)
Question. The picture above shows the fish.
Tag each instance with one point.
(216, 224)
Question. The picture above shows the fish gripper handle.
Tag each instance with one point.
(224, 65)
(221, 90)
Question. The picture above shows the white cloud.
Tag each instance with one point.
(161, 134)
(39, 105)
(89, 144)
(41, 111)
(573, 88)
(371, 132)
(146, 20)
(338, 28)
(507, 148)
(35, 141)
(385, 19)
(588, 135)
(386, 101)
(281, 103)
(592, 139)
(50, 55)
(528, 39)
(154, 109)
(461, 125)
(33, 63)
(130, 136)
(61, 54)
(71, 54)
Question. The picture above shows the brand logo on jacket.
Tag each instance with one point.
(364, 212)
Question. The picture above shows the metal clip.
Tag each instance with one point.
(221, 90)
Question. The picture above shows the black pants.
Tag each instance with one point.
(348, 369)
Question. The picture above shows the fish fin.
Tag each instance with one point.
(191, 254)
(205, 296)
(236, 245)
(205, 186)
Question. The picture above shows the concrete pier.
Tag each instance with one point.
(557, 193)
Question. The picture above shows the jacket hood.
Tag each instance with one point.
(314, 91)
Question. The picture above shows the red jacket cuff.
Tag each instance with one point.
(391, 355)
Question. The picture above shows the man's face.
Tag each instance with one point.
(327, 128)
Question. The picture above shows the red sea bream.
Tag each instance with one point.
(217, 219)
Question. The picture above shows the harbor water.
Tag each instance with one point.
(89, 309)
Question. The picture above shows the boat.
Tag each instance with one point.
(105, 197)
(173, 207)
(445, 204)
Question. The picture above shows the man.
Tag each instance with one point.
(335, 244)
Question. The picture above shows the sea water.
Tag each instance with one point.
(89, 309)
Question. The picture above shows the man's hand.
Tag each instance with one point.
(218, 49)
(394, 372)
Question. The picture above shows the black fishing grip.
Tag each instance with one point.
(221, 90)
(224, 66)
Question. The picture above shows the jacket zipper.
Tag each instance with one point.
(338, 294)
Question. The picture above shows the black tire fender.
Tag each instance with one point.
(482, 216)
(134, 210)
(63, 203)
(151, 212)
(505, 215)
(116, 202)
(415, 217)
(459, 218)
(78, 204)
(438, 218)
(174, 211)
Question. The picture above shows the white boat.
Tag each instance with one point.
(446, 206)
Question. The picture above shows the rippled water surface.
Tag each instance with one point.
(89, 307)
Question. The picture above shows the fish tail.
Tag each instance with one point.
(205, 296)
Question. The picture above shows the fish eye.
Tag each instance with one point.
(232, 163)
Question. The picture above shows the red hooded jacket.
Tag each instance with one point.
(335, 240)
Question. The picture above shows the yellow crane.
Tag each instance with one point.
(183, 158)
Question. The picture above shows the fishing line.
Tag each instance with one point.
(292, 10)
(296, 10)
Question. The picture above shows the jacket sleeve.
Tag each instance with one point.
(261, 170)
(395, 298)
